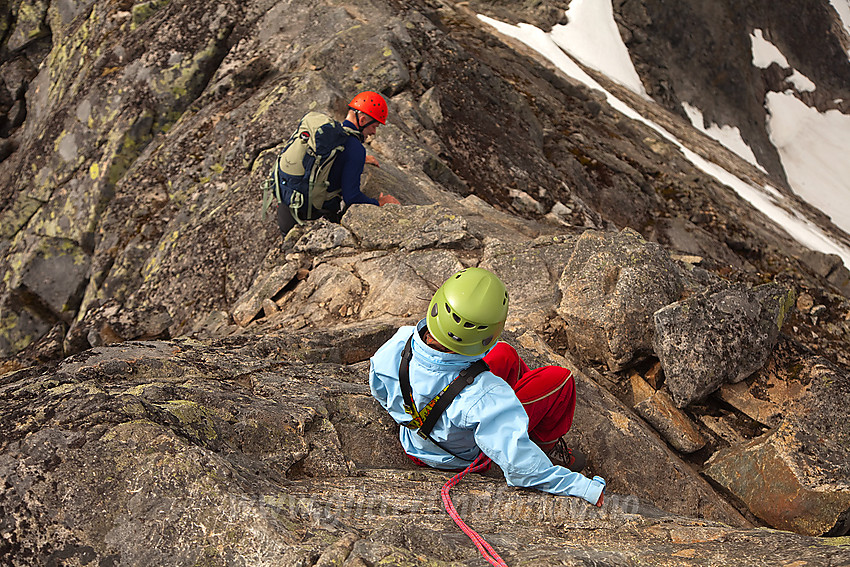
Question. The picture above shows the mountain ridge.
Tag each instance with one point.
(156, 328)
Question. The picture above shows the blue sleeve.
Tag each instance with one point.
(501, 431)
(353, 159)
(383, 375)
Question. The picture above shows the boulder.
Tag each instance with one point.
(251, 303)
(530, 271)
(107, 322)
(718, 336)
(329, 292)
(20, 325)
(795, 477)
(840, 278)
(54, 274)
(29, 25)
(610, 288)
(782, 480)
(46, 287)
(829, 266)
(627, 452)
(821, 263)
(657, 408)
(407, 228)
(401, 284)
(323, 236)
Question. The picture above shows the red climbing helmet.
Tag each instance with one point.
(371, 104)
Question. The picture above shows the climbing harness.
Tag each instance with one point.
(423, 422)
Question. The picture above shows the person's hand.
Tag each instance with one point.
(372, 160)
(387, 200)
(600, 480)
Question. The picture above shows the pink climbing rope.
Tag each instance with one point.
(486, 550)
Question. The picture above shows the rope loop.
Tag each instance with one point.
(486, 550)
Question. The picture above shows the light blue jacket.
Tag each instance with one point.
(486, 415)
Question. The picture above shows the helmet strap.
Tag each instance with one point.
(362, 127)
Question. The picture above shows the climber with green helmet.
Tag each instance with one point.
(366, 112)
(458, 392)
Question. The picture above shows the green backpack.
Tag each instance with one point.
(299, 178)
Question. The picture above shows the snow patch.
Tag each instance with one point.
(765, 200)
(801, 82)
(729, 136)
(542, 43)
(765, 53)
(813, 148)
(593, 38)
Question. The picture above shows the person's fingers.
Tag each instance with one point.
(387, 199)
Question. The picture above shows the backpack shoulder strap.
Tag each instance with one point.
(404, 377)
(353, 132)
(466, 377)
(425, 421)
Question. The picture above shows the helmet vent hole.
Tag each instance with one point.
(482, 327)
(487, 341)
(434, 310)
(448, 309)
(455, 337)
(469, 325)
(456, 317)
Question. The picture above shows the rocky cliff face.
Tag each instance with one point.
(181, 385)
(701, 54)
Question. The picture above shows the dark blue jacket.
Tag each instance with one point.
(346, 171)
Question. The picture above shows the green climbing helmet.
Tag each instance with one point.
(467, 314)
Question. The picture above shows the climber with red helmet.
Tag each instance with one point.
(366, 112)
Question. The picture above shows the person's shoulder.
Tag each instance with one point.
(488, 384)
(353, 144)
(492, 382)
(398, 339)
(404, 332)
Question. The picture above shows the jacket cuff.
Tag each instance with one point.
(593, 491)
